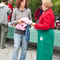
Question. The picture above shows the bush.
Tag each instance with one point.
(14, 3)
(0, 1)
(33, 5)
(56, 6)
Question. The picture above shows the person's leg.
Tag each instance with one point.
(24, 48)
(17, 42)
(0, 33)
(4, 30)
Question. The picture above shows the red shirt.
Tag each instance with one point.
(37, 14)
(10, 6)
(46, 21)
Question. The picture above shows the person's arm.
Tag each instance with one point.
(14, 21)
(29, 15)
(9, 11)
(46, 24)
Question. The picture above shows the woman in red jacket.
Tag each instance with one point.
(45, 32)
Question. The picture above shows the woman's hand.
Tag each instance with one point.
(19, 21)
(33, 24)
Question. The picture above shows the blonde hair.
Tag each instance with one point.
(47, 3)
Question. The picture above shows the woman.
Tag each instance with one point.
(45, 32)
(21, 11)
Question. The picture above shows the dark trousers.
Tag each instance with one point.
(3, 34)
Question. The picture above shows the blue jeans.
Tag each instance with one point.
(17, 41)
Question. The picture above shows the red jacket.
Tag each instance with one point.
(37, 14)
(10, 6)
(46, 21)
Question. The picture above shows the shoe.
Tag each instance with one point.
(2, 47)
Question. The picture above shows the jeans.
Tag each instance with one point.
(17, 41)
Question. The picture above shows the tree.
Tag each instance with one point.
(0, 1)
(56, 6)
(33, 5)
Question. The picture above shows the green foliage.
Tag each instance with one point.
(14, 1)
(33, 5)
(56, 6)
(0, 1)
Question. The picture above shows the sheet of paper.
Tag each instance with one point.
(26, 20)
